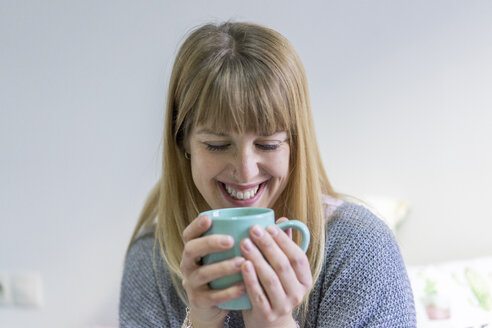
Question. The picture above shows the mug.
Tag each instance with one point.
(236, 222)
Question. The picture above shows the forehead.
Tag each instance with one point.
(240, 100)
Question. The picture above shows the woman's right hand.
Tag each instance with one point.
(204, 300)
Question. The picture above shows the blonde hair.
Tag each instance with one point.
(237, 77)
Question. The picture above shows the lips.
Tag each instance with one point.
(242, 195)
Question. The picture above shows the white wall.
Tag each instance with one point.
(401, 93)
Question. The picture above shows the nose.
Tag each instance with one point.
(245, 164)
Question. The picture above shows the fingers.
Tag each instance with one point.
(203, 304)
(206, 273)
(297, 258)
(280, 261)
(197, 228)
(264, 287)
(277, 274)
(215, 297)
(196, 248)
(255, 292)
(196, 277)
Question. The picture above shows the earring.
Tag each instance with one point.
(187, 156)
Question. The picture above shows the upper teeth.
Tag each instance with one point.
(241, 194)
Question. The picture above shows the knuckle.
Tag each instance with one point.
(284, 310)
(199, 275)
(270, 317)
(185, 236)
(187, 253)
(283, 267)
(259, 298)
(297, 299)
(299, 261)
(271, 282)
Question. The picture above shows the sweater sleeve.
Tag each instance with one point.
(364, 281)
(143, 287)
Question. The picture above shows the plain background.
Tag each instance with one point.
(401, 94)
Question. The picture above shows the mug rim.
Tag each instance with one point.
(218, 214)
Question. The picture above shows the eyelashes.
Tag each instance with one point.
(268, 147)
(263, 147)
(216, 147)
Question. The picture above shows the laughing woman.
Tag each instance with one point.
(239, 132)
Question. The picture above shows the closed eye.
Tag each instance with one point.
(262, 147)
(217, 147)
(267, 147)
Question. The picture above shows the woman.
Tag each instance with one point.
(239, 132)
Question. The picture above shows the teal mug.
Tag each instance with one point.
(236, 222)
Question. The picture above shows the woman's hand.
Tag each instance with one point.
(277, 276)
(204, 300)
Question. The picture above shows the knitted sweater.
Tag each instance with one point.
(363, 282)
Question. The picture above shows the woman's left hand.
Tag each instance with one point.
(277, 276)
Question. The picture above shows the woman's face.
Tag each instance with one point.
(236, 170)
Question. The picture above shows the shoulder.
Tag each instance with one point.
(360, 244)
(364, 276)
(142, 245)
(139, 268)
(355, 222)
(355, 235)
(145, 267)
(144, 258)
(141, 254)
(143, 249)
(147, 296)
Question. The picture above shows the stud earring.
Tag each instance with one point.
(187, 156)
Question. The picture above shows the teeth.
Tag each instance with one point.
(242, 195)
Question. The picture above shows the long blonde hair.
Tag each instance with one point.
(239, 77)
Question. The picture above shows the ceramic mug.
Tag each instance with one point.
(236, 222)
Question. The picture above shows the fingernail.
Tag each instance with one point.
(226, 241)
(239, 261)
(257, 230)
(247, 266)
(273, 230)
(247, 245)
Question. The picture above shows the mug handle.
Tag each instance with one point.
(301, 227)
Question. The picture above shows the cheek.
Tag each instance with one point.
(279, 166)
(204, 168)
(283, 169)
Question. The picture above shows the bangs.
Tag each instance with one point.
(244, 96)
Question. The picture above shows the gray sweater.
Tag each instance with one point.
(363, 282)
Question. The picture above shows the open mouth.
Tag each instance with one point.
(243, 195)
